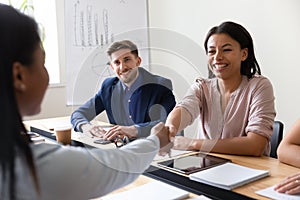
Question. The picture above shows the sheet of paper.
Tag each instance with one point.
(84, 138)
(271, 193)
(150, 191)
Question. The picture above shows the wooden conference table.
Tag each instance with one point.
(277, 170)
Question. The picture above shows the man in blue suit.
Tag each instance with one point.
(135, 100)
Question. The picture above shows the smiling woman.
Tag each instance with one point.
(44, 13)
(235, 106)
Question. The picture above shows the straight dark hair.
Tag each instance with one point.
(250, 66)
(19, 39)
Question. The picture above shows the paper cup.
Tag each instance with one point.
(63, 134)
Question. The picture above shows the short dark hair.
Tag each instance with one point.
(250, 66)
(124, 44)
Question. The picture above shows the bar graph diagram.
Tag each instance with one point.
(90, 27)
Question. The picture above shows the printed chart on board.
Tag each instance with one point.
(90, 27)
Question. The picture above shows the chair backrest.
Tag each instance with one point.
(276, 138)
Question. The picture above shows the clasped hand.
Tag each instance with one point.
(93, 130)
(166, 137)
(111, 134)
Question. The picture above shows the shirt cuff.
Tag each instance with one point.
(79, 126)
(155, 139)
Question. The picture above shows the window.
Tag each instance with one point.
(44, 12)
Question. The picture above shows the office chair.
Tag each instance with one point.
(276, 138)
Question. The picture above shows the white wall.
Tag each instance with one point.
(177, 32)
(274, 25)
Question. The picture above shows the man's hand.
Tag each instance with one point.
(93, 130)
(129, 131)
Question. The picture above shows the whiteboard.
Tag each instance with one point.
(90, 27)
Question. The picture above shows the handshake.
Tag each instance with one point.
(166, 135)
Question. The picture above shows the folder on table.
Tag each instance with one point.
(228, 176)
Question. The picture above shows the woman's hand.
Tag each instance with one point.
(163, 133)
(184, 143)
(172, 131)
(289, 185)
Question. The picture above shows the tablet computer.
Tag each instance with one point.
(192, 163)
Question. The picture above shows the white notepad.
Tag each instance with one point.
(150, 191)
(228, 176)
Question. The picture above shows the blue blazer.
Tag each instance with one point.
(150, 103)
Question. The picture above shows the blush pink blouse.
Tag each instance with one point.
(249, 109)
